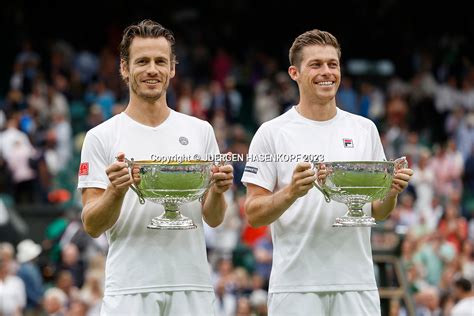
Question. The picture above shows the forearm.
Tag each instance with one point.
(213, 209)
(101, 213)
(381, 209)
(265, 209)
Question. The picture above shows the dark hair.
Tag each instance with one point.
(146, 29)
(309, 38)
(463, 284)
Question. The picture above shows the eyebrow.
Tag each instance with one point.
(323, 60)
(146, 57)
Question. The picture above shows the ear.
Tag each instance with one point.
(293, 72)
(173, 69)
(124, 70)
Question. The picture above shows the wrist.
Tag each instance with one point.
(392, 195)
(214, 190)
(289, 197)
(115, 192)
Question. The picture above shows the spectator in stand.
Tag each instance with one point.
(423, 180)
(16, 150)
(221, 65)
(226, 302)
(427, 302)
(12, 292)
(466, 259)
(93, 290)
(465, 134)
(7, 252)
(263, 253)
(233, 100)
(434, 256)
(347, 96)
(63, 132)
(24, 177)
(27, 253)
(72, 262)
(65, 282)
(55, 302)
(407, 216)
(453, 227)
(464, 298)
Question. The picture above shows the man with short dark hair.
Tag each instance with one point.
(162, 272)
(465, 298)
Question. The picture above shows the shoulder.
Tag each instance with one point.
(357, 120)
(463, 306)
(107, 127)
(192, 121)
(16, 280)
(273, 126)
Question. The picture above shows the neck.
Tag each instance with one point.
(150, 114)
(317, 111)
(467, 295)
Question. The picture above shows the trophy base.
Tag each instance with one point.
(351, 221)
(171, 221)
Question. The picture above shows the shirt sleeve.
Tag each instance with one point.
(258, 170)
(93, 164)
(377, 151)
(211, 147)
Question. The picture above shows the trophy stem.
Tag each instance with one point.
(355, 212)
(355, 217)
(171, 219)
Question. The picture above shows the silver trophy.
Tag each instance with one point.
(171, 184)
(356, 183)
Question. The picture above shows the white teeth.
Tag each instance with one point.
(325, 83)
(151, 81)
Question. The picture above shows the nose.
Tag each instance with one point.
(152, 68)
(325, 68)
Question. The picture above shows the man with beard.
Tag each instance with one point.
(149, 272)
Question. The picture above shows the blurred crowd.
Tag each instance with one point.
(54, 97)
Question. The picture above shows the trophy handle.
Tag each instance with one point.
(141, 199)
(135, 189)
(317, 185)
(218, 163)
(400, 163)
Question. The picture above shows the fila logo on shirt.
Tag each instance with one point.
(348, 143)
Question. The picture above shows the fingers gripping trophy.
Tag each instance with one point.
(356, 183)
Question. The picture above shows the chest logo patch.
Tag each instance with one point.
(348, 143)
(183, 140)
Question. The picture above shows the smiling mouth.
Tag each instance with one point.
(325, 83)
(151, 81)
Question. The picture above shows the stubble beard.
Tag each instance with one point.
(149, 97)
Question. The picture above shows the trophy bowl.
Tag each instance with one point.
(356, 183)
(171, 184)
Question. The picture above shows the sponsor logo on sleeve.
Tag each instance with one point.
(84, 169)
(251, 169)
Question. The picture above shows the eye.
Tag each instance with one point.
(161, 62)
